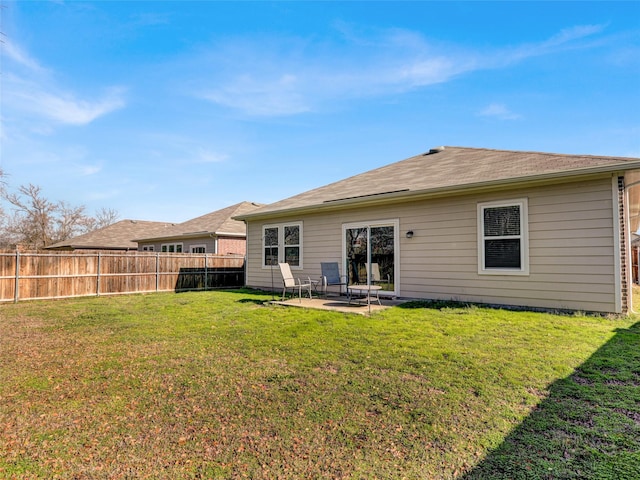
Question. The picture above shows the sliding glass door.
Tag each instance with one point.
(370, 253)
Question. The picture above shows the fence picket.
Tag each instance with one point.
(36, 275)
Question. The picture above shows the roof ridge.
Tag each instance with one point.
(537, 152)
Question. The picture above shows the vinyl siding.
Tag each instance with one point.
(186, 244)
(571, 248)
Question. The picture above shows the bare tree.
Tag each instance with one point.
(37, 222)
(103, 218)
(69, 222)
(3, 186)
(33, 216)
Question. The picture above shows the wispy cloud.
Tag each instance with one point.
(288, 76)
(18, 55)
(500, 111)
(89, 170)
(63, 107)
(202, 155)
(577, 32)
(181, 150)
(29, 90)
(257, 95)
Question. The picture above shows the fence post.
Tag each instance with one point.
(98, 279)
(206, 274)
(16, 289)
(157, 271)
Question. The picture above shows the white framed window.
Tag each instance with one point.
(172, 247)
(503, 238)
(198, 249)
(147, 248)
(282, 243)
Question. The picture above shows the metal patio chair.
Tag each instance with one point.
(331, 276)
(293, 283)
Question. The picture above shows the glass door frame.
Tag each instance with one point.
(369, 224)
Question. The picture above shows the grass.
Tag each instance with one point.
(221, 385)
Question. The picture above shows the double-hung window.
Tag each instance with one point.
(503, 238)
(282, 243)
(172, 247)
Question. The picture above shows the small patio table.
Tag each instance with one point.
(361, 289)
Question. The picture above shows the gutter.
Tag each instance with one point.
(400, 195)
(190, 235)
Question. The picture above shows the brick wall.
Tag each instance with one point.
(232, 245)
(624, 261)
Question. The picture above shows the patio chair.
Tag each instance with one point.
(374, 277)
(293, 283)
(331, 276)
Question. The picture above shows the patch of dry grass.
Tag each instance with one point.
(218, 385)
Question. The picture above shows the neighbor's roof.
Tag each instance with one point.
(218, 223)
(445, 170)
(117, 236)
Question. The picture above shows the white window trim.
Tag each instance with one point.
(198, 246)
(524, 238)
(148, 248)
(175, 245)
(281, 246)
(395, 223)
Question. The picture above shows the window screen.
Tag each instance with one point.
(502, 237)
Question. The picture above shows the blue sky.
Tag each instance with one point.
(169, 110)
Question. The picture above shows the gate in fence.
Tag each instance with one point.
(32, 276)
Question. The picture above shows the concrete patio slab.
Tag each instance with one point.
(338, 304)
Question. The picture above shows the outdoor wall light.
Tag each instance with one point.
(410, 234)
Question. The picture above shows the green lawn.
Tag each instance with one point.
(221, 385)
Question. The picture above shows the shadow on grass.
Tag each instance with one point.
(255, 301)
(433, 304)
(588, 426)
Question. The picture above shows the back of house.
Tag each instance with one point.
(526, 229)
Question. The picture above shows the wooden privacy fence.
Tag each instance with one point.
(31, 276)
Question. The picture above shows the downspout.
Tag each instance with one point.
(246, 251)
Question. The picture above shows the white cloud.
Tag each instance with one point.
(104, 195)
(288, 76)
(15, 53)
(500, 111)
(261, 96)
(31, 93)
(574, 33)
(205, 156)
(88, 170)
(181, 150)
(37, 99)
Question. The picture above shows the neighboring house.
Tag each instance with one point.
(215, 232)
(117, 236)
(526, 229)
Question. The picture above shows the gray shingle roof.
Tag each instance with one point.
(447, 169)
(118, 236)
(219, 222)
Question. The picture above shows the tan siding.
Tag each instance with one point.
(186, 244)
(571, 251)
